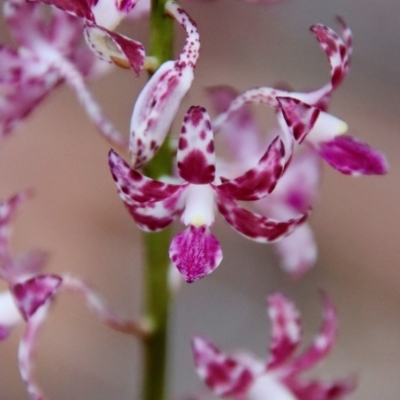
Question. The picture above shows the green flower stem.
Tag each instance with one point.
(156, 244)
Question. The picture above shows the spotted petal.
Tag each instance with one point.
(337, 51)
(255, 226)
(35, 292)
(134, 187)
(159, 101)
(351, 156)
(222, 374)
(286, 329)
(196, 156)
(261, 180)
(195, 252)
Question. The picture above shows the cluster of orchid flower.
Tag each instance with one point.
(280, 187)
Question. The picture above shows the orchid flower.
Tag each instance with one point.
(100, 18)
(48, 54)
(305, 116)
(31, 292)
(295, 191)
(242, 376)
(155, 204)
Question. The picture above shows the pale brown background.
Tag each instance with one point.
(77, 216)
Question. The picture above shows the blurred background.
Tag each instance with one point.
(77, 216)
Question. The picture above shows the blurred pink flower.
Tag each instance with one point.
(242, 376)
(49, 53)
(31, 292)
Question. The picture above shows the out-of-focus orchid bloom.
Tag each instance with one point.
(49, 54)
(346, 154)
(100, 18)
(158, 102)
(30, 295)
(242, 376)
(295, 191)
(155, 204)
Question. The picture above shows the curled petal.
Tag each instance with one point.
(9, 314)
(35, 292)
(298, 251)
(113, 47)
(351, 156)
(323, 342)
(154, 216)
(196, 156)
(159, 101)
(255, 226)
(258, 182)
(286, 329)
(195, 253)
(337, 51)
(134, 187)
(222, 374)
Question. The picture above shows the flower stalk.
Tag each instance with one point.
(157, 297)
